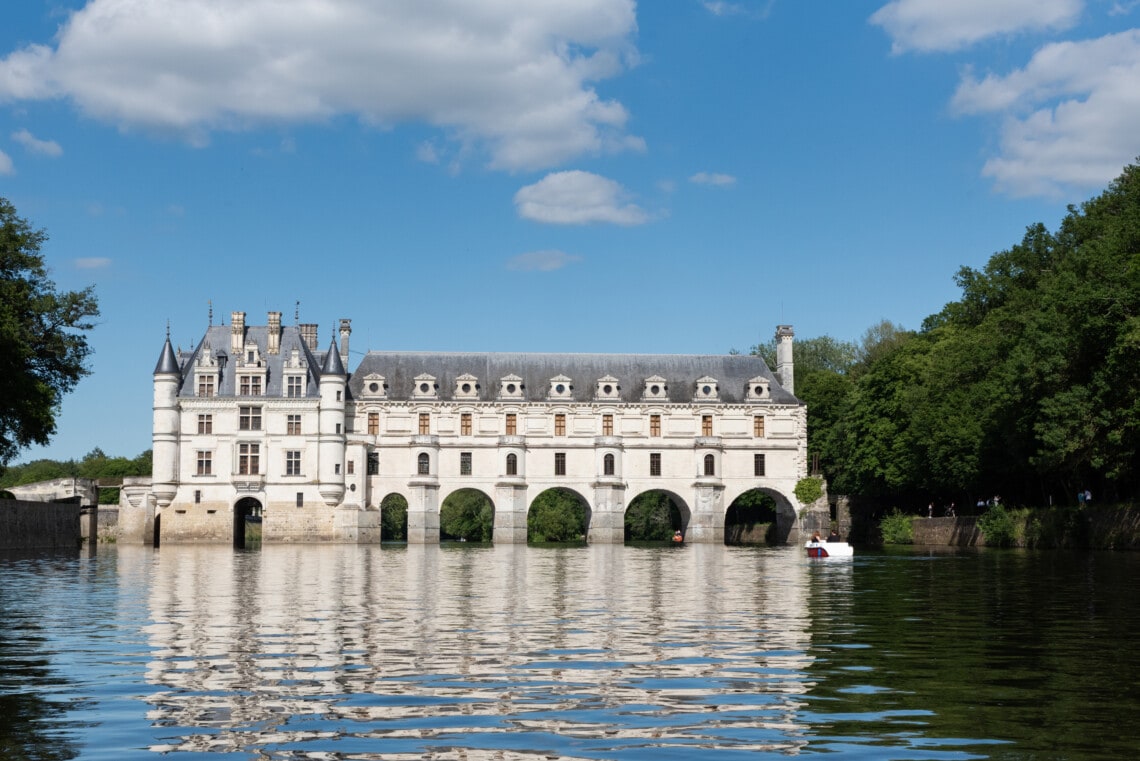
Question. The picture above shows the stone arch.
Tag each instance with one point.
(564, 512)
(245, 508)
(466, 514)
(394, 518)
(752, 507)
(679, 514)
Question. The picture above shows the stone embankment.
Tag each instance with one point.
(39, 525)
(1110, 528)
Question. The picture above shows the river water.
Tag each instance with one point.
(513, 652)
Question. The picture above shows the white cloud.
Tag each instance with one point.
(34, 145)
(92, 262)
(513, 78)
(713, 178)
(6, 165)
(1070, 114)
(542, 261)
(575, 198)
(722, 8)
(943, 25)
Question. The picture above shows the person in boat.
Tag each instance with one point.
(677, 537)
(815, 538)
(833, 536)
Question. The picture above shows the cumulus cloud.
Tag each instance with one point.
(6, 165)
(722, 8)
(513, 78)
(713, 178)
(542, 261)
(1069, 116)
(576, 198)
(92, 262)
(943, 25)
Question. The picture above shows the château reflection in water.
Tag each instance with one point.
(500, 651)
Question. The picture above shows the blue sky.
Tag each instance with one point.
(675, 176)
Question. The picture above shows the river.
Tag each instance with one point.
(514, 652)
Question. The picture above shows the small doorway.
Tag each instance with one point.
(247, 524)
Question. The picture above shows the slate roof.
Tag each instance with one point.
(680, 372)
(218, 339)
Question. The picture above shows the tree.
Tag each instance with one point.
(467, 515)
(394, 519)
(42, 342)
(556, 515)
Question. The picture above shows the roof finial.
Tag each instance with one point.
(297, 312)
(211, 303)
(167, 328)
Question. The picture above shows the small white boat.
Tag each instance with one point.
(826, 549)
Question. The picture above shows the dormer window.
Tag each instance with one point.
(206, 370)
(511, 387)
(374, 387)
(425, 387)
(707, 389)
(607, 388)
(466, 387)
(757, 389)
(655, 388)
(560, 388)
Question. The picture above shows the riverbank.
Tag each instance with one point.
(1108, 527)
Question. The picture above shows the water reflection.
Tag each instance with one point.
(425, 650)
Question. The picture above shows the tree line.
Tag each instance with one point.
(95, 465)
(1027, 388)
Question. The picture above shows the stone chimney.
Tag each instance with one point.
(345, 332)
(785, 368)
(237, 333)
(309, 334)
(274, 340)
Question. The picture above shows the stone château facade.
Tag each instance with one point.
(256, 420)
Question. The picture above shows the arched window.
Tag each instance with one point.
(608, 465)
(710, 465)
(512, 465)
(424, 464)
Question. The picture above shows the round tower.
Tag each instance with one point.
(165, 428)
(331, 440)
(785, 368)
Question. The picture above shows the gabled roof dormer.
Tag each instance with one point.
(511, 387)
(757, 389)
(374, 387)
(655, 389)
(560, 388)
(607, 388)
(425, 387)
(467, 387)
(707, 389)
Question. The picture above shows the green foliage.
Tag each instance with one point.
(897, 528)
(808, 490)
(998, 527)
(42, 346)
(652, 516)
(556, 515)
(750, 519)
(467, 515)
(394, 519)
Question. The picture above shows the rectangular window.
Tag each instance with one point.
(465, 424)
(294, 386)
(300, 499)
(654, 425)
(373, 423)
(293, 463)
(373, 463)
(706, 425)
(249, 418)
(250, 385)
(293, 425)
(425, 423)
(205, 424)
(758, 426)
(512, 424)
(205, 463)
(654, 463)
(249, 459)
(205, 385)
(350, 467)
(607, 425)
(560, 424)
(559, 463)
(464, 463)
(198, 497)
(336, 469)
(757, 464)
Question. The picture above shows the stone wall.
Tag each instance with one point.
(961, 531)
(38, 525)
(1108, 528)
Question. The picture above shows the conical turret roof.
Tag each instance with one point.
(167, 362)
(333, 365)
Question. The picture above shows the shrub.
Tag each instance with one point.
(998, 527)
(809, 489)
(897, 528)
